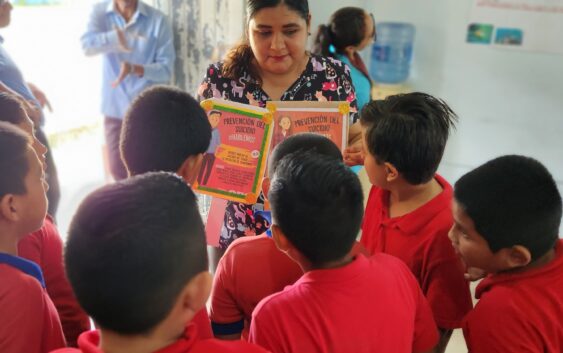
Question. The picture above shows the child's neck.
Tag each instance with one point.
(307, 266)
(8, 241)
(405, 198)
(111, 342)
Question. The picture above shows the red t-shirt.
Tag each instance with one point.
(420, 239)
(369, 305)
(45, 248)
(251, 269)
(28, 319)
(89, 342)
(520, 312)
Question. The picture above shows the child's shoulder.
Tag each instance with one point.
(247, 246)
(19, 288)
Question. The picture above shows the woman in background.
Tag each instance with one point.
(349, 30)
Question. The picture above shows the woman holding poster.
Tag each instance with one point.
(272, 63)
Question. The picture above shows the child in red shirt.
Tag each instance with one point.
(408, 213)
(253, 267)
(44, 246)
(507, 215)
(136, 258)
(165, 129)
(343, 303)
(29, 319)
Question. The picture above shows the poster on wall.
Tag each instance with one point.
(234, 164)
(329, 119)
(535, 25)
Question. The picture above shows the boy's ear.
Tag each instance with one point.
(8, 208)
(196, 292)
(518, 256)
(279, 238)
(190, 168)
(265, 186)
(391, 171)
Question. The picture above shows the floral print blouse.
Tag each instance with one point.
(324, 79)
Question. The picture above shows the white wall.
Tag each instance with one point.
(509, 102)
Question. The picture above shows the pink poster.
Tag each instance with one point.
(329, 119)
(235, 161)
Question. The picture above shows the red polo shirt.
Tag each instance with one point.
(28, 319)
(45, 248)
(89, 342)
(370, 305)
(519, 312)
(251, 269)
(420, 239)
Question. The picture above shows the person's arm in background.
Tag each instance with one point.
(40, 96)
(160, 70)
(99, 39)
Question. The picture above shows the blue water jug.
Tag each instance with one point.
(392, 52)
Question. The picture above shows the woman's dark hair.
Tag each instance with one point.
(238, 60)
(347, 26)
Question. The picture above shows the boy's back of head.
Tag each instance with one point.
(132, 248)
(409, 131)
(163, 127)
(512, 200)
(300, 143)
(318, 204)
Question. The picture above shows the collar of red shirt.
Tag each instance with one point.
(551, 269)
(25, 266)
(88, 342)
(412, 222)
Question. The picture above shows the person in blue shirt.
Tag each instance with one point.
(138, 51)
(33, 100)
(349, 30)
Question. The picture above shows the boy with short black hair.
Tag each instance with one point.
(44, 246)
(29, 319)
(507, 215)
(141, 272)
(253, 267)
(165, 129)
(408, 213)
(343, 303)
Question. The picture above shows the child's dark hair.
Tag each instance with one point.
(238, 60)
(300, 143)
(163, 127)
(132, 247)
(14, 167)
(211, 112)
(11, 108)
(409, 131)
(346, 27)
(318, 203)
(512, 200)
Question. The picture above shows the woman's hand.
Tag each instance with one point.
(354, 154)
